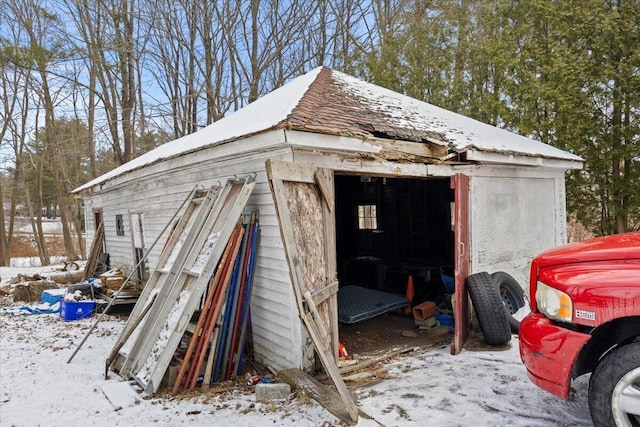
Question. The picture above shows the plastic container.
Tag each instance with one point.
(70, 310)
(52, 296)
(448, 282)
(445, 319)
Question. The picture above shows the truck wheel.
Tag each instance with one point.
(614, 388)
(489, 308)
(512, 296)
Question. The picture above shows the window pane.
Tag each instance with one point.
(367, 217)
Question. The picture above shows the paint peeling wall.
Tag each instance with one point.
(158, 191)
(515, 214)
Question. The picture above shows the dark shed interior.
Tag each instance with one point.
(387, 231)
(390, 228)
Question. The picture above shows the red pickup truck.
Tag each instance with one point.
(585, 317)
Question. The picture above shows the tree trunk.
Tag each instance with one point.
(65, 218)
(90, 122)
(127, 69)
(460, 56)
(36, 227)
(5, 257)
(255, 41)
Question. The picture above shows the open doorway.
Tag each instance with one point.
(137, 242)
(390, 231)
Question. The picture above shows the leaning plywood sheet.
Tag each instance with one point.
(304, 202)
(181, 283)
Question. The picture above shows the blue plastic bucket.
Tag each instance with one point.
(445, 319)
(449, 283)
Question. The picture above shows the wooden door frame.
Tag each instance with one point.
(460, 183)
(309, 296)
(138, 252)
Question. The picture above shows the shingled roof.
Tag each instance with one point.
(334, 105)
(330, 102)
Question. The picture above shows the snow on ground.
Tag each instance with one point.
(479, 388)
(49, 226)
(30, 265)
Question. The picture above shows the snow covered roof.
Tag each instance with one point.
(330, 102)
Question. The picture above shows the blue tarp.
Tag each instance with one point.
(44, 308)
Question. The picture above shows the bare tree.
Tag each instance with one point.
(10, 81)
(15, 98)
(216, 58)
(17, 81)
(173, 50)
(267, 45)
(44, 49)
(106, 30)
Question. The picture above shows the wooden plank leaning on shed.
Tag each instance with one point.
(304, 202)
(97, 246)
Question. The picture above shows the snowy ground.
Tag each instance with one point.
(480, 388)
(49, 226)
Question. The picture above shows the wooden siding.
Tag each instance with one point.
(277, 332)
(515, 214)
(514, 210)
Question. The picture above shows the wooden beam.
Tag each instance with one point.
(287, 171)
(327, 398)
(325, 189)
(422, 149)
(321, 294)
(360, 166)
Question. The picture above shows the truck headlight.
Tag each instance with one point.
(554, 304)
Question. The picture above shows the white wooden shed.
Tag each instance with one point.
(383, 184)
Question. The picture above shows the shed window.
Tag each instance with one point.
(367, 217)
(119, 225)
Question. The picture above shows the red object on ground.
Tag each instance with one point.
(410, 293)
(342, 351)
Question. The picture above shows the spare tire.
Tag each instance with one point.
(512, 296)
(489, 308)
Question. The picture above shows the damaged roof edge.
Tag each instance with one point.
(575, 163)
(262, 115)
(330, 102)
(122, 170)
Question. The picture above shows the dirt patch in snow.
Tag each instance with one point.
(374, 343)
(387, 333)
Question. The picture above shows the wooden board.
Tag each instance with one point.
(97, 246)
(304, 203)
(181, 281)
(460, 184)
(120, 394)
(156, 280)
(329, 399)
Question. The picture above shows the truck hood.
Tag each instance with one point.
(616, 247)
